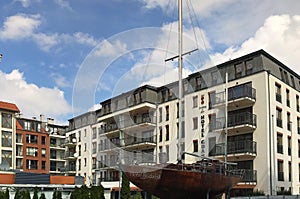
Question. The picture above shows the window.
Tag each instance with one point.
(288, 115)
(31, 151)
(290, 171)
(160, 134)
(79, 164)
(238, 70)
(43, 165)
(84, 146)
(278, 92)
(214, 77)
(167, 113)
(94, 147)
(167, 133)
(85, 162)
(27, 125)
(297, 103)
(279, 143)
(198, 83)
(94, 133)
(212, 122)
(288, 98)
(84, 132)
(177, 113)
(31, 138)
(280, 170)
(211, 97)
(249, 66)
(298, 148)
(6, 139)
(195, 101)
(160, 114)
(289, 145)
(292, 81)
(6, 158)
(195, 123)
(6, 120)
(167, 152)
(195, 144)
(279, 117)
(298, 125)
(43, 140)
(43, 153)
(31, 164)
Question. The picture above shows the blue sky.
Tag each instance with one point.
(61, 57)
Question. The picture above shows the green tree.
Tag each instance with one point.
(138, 195)
(42, 196)
(58, 195)
(1, 195)
(125, 188)
(17, 194)
(35, 193)
(6, 194)
(97, 192)
(26, 194)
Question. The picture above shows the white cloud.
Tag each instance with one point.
(60, 80)
(108, 49)
(279, 36)
(19, 26)
(63, 4)
(31, 99)
(24, 26)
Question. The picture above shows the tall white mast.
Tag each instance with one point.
(180, 93)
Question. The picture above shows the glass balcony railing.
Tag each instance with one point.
(234, 147)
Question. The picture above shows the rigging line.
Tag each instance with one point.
(169, 38)
(198, 25)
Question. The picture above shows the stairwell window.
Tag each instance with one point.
(167, 113)
(289, 123)
(288, 98)
(278, 92)
(279, 117)
(196, 146)
(297, 103)
(195, 123)
(167, 133)
(195, 101)
(280, 170)
(279, 143)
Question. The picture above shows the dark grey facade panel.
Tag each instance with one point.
(32, 178)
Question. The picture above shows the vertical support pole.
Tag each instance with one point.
(226, 118)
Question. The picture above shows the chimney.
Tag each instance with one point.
(42, 118)
(50, 120)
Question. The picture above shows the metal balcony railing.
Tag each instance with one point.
(237, 92)
(135, 120)
(236, 147)
(243, 118)
(249, 176)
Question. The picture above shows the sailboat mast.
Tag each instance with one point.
(180, 93)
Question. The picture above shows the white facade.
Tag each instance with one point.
(263, 134)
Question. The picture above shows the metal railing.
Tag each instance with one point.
(237, 119)
(236, 147)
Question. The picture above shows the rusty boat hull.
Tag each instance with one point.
(181, 180)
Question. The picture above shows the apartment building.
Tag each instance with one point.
(78, 147)
(262, 113)
(8, 135)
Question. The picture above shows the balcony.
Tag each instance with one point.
(243, 149)
(250, 176)
(139, 143)
(136, 121)
(70, 155)
(71, 141)
(238, 96)
(237, 123)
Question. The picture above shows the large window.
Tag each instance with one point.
(195, 101)
(31, 164)
(31, 138)
(195, 123)
(6, 120)
(280, 170)
(6, 158)
(31, 151)
(6, 139)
